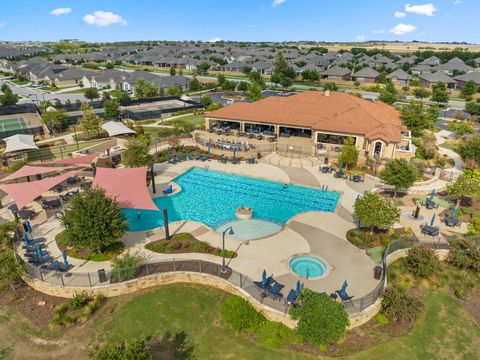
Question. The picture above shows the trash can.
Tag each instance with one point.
(377, 272)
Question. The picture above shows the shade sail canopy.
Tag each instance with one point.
(25, 193)
(20, 142)
(79, 160)
(127, 186)
(28, 170)
(114, 128)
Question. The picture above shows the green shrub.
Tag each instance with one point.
(464, 254)
(240, 315)
(129, 349)
(398, 305)
(320, 318)
(422, 262)
(126, 267)
(381, 319)
(79, 300)
(275, 335)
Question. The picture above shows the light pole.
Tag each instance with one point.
(36, 98)
(230, 232)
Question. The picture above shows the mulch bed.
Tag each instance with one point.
(472, 303)
(34, 305)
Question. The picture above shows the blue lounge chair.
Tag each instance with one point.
(198, 157)
(265, 282)
(294, 294)
(168, 190)
(40, 260)
(32, 247)
(204, 158)
(342, 293)
(58, 266)
(274, 291)
(189, 156)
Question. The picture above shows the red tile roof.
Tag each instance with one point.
(336, 112)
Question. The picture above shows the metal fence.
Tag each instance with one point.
(106, 277)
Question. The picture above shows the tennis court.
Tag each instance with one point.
(13, 124)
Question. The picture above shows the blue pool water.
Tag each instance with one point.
(212, 197)
(308, 267)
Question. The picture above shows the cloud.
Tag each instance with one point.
(104, 18)
(61, 11)
(402, 29)
(425, 9)
(360, 37)
(215, 39)
(458, 2)
(399, 14)
(3, 24)
(379, 31)
(276, 3)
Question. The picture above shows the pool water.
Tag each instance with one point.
(250, 229)
(308, 267)
(211, 198)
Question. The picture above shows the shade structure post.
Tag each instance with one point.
(165, 220)
(152, 176)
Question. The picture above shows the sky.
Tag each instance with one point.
(240, 20)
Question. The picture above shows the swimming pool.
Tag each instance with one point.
(211, 198)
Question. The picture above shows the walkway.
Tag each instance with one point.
(440, 136)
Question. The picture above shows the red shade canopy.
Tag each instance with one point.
(127, 186)
(28, 170)
(25, 193)
(79, 160)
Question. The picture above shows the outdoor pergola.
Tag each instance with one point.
(19, 142)
(24, 193)
(79, 160)
(116, 128)
(126, 185)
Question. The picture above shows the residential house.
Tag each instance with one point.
(463, 79)
(71, 77)
(337, 73)
(430, 79)
(452, 66)
(399, 77)
(366, 75)
(235, 66)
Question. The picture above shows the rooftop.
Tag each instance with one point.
(334, 112)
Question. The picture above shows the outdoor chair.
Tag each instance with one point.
(168, 190)
(189, 156)
(40, 260)
(274, 291)
(356, 178)
(291, 297)
(342, 293)
(265, 282)
(32, 247)
(325, 169)
(72, 180)
(27, 214)
(338, 175)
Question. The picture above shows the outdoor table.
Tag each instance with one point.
(430, 230)
(452, 221)
(259, 136)
(430, 204)
(356, 178)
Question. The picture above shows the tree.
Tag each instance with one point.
(469, 149)
(206, 100)
(229, 85)
(111, 108)
(131, 349)
(137, 153)
(175, 90)
(91, 93)
(473, 108)
(310, 75)
(421, 93)
(194, 85)
(417, 117)
(242, 86)
(330, 86)
(11, 270)
(203, 68)
(93, 220)
(256, 77)
(440, 93)
(56, 120)
(465, 186)
(283, 73)
(469, 88)
(90, 122)
(400, 174)
(461, 128)
(429, 144)
(388, 94)
(254, 91)
(8, 98)
(173, 72)
(374, 210)
(145, 89)
(221, 80)
(321, 319)
(109, 66)
(348, 152)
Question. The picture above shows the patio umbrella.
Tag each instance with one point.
(168, 152)
(218, 124)
(298, 287)
(39, 251)
(432, 195)
(234, 153)
(25, 238)
(264, 278)
(28, 226)
(433, 219)
(454, 212)
(208, 149)
(341, 167)
(183, 147)
(65, 261)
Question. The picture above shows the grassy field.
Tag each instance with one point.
(445, 331)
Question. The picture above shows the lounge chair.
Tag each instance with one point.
(274, 291)
(40, 260)
(189, 156)
(263, 284)
(291, 297)
(168, 190)
(325, 169)
(342, 293)
(32, 248)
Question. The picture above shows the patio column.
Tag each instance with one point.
(207, 123)
(242, 126)
(277, 131)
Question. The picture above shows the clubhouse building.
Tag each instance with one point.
(323, 120)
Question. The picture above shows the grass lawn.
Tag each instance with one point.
(20, 82)
(75, 91)
(450, 146)
(50, 88)
(197, 120)
(444, 331)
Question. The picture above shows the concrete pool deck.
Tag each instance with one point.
(321, 234)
